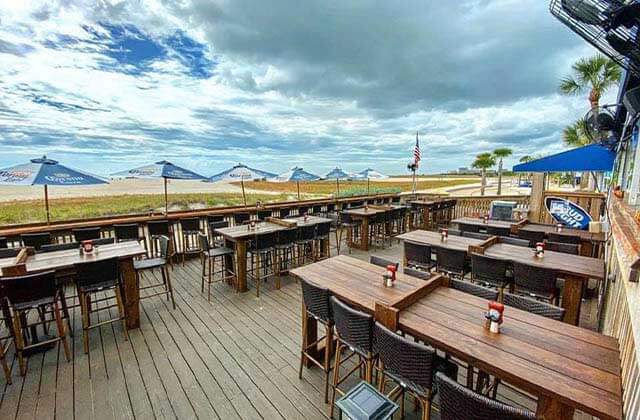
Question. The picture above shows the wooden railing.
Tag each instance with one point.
(592, 202)
(474, 206)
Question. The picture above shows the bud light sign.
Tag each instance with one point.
(568, 213)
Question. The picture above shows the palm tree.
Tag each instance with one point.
(597, 74)
(500, 154)
(575, 134)
(483, 162)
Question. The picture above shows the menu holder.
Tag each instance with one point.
(479, 249)
(19, 266)
(515, 227)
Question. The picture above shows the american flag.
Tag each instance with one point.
(416, 151)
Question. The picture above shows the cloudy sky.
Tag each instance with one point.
(105, 85)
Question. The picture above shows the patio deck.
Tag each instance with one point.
(234, 357)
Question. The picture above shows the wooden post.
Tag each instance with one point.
(367, 185)
(166, 197)
(338, 187)
(298, 184)
(244, 196)
(537, 195)
(46, 202)
(131, 293)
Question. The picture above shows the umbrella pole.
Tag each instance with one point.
(367, 186)
(298, 183)
(338, 187)
(166, 198)
(46, 202)
(244, 196)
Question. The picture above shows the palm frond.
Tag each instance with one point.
(570, 86)
(502, 152)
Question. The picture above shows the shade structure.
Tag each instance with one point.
(47, 172)
(371, 174)
(162, 169)
(295, 174)
(594, 157)
(242, 172)
(338, 173)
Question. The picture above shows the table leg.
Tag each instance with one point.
(241, 265)
(364, 234)
(309, 335)
(131, 293)
(228, 261)
(425, 218)
(552, 409)
(572, 299)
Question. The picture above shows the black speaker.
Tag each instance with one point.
(631, 101)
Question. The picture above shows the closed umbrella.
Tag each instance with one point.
(46, 172)
(338, 174)
(296, 174)
(162, 169)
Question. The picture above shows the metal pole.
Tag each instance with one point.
(244, 196)
(338, 186)
(298, 184)
(166, 197)
(367, 185)
(414, 181)
(46, 202)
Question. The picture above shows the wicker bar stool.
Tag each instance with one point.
(563, 239)
(451, 262)
(536, 282)
(3, 242)
(263, 215)
(150, 264)
(354, 332)
(532, 236)
(474, 289)
(93, 278)
(498, 231)
(411, 366)
(489, 271)
(418, 256)
(190, 231)
(572, 249)
(6, 339)
(39, 292)
(422, 275)
(317, 306)
(476, 235)
(514, 241)
(262, 251)
(241, 218)
(534, 306)
(465, 227)
(322, 246)
(36, 240)
(352, 227)
(215, 238)
(127, 232)
(87, 234)
(210, 255)
(285, 249)
(306, 243)
(284, 212)
(458, 402)
(382, 262)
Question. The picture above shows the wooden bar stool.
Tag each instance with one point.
(190, 242)
(210, 255)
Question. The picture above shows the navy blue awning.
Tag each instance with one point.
(593, 157)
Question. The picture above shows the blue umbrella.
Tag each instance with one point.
(296, 174)
(163, 169)
(337, 174)
(46, 172)
(241, 172)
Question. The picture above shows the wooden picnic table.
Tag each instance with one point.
(574, 269)
(65, 260)
(475, 221)
(566, 367)
(364, 214)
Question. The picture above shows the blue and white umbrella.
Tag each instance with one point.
(163, 169)
(371, 174)
(242, 172)
(338, 174)
(296, 174)
(46, 172)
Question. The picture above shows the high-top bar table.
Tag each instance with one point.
(474, 221)
(364, 214)
(589, 241)
(564, 366)
(65, 260)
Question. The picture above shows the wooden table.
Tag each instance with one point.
(480, 222)
(236, 237)
(65, 260)
(313, 220)
(434, 239)
(425, 208)
(363, 214)
(589, 241)
(575, 269)
(564, 366)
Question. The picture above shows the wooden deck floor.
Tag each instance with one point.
(234, 357)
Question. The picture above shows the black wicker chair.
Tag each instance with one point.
(352, 227)
(498, 231)
(382, 262)
(306, 243)
(489, 271)
(36, 240)
(92, 278)
(563, 238)
(158, 228)
(322, 247)
(127, 232)
(59, 247)
(86, 234)
(458, 402)
(211, 218)
(241, 218)
(418, 256)
(354, 332)
(9, 252)
(476, 235)
(534, 306)
(474, 289)
(410, 365)
(464, 228)
(532, 236)
(263, 215)
(190, 243)
(103, 241)
(3, 242)
(564, 248)
(33, 292)
(451, 262)
(209, 255)
(150, 264)
(285, 249)
(215, 238)
(262, 251)
(317, 306)
(536, 282)
(453, 232)
(284, 213)
(423, 275)
(514, 241)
